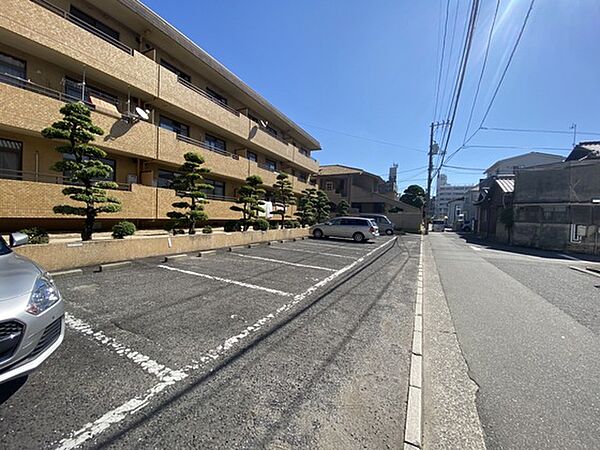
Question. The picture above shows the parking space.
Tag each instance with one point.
(135, 331)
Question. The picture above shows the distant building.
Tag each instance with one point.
(557, 206)
(366, 192)
(446, 192)
(508, 166)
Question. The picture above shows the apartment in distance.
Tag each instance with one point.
(116, 55)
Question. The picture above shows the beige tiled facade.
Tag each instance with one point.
(58, 48)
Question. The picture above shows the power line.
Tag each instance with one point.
(530, 130)
(510, 58)
(483, 66)
(439, 80)
(517, 147)
(343, 133)
(464, 168)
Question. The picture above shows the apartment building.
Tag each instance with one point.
(120, 58)
(446, 192)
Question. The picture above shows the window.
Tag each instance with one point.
(13, 66)
(111, 162)
(335, 221)
(329, 185)
(302, 176)
(73, 89)
(555, 214)
(175, 70)
(165, 177)
(11, 157)
(94, 23)
(218, 188)
(216, 95)
(251, 156)
(356, 222)
(215, 143)
(174, 126)
(271, 165)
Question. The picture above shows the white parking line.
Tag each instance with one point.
(162, 372)
(568, 257)
(225, 280)
(138, 403)
(310, 251)
(319, 244)
(287, 263)
(478, 249)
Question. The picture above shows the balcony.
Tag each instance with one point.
(29, 108)
(311, 165)
(172, 147)
(216, 209)
(193, 101)
(39, 24)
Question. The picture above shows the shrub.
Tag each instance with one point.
(296, 224)
(122, 229)
(207, 229)
(261, 224)
(36, 235)
(232, 225)
(273, 225)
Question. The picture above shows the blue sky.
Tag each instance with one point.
(369, 70)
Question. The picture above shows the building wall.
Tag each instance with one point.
(56, 48)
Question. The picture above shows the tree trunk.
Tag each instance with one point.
(192, 229)
(88, 228)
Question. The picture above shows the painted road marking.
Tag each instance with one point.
(310, 251)
(475, 248)
(341, 246)
(568, 257)
(278, 261)
(162, 372)
(228, 281)
(135, 405)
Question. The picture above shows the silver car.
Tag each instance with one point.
(385, 225)
(31, 313)
(358, 228)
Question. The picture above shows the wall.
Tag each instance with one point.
(61, 256)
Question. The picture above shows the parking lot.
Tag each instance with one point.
(295, 343)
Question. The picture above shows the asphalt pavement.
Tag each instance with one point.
(299, 344)
(527, 325)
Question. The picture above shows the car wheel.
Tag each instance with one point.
(317, 234)
(358, 237)
(389, 231)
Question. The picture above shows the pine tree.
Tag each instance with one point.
(85, 170)
(342, 208)
(306, 207)
(283, 195)
(322, 207)
(188, 185)
(249, 201)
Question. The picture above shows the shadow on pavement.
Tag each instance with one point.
(470, 238)
(10, 388)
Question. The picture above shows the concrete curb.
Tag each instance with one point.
(237, 247)
(207, 253)
(413, 430)
(175, 257)
(66, 272)
(112, 266)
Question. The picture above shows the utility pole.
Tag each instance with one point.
(574, 128)
(433, 149)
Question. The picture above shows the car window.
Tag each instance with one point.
(4, 249)
(334, 222)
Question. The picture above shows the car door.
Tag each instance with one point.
(346, 228)
(332, 227)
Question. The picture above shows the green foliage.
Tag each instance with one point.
(122, 229)
(207, 229)
(307, 212)
(85, 170)
(292, 224)
(188, 184)
(342, 208)
(507, 218)
(36, 235)
(232, 225)
(261, 224)
(249, 201)
(322, 207)
(283, 195)
(273, 225)
(414, 195)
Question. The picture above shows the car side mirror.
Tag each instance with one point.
(329, 223)
(17, 239)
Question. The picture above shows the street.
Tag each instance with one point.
(528, 327)
(297, 344)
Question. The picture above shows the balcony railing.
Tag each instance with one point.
(268, 167)
(205, 94)
(39, 89)
(57, 178)
(206, 146)
(86, 26)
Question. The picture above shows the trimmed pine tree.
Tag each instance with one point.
(188, 184)
(342, 208)
(82, 167)
(306, 212)
(322, 207)
(283, 195)
(249, 201)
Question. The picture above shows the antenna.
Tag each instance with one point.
(143, 113)
(263, 123)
